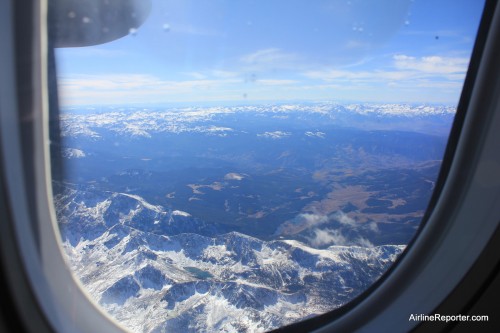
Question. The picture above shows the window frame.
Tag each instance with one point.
(43, 291)
(47, 297)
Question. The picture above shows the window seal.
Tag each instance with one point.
(58, 292)
(42, 289)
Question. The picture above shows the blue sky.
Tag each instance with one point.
(250, 51)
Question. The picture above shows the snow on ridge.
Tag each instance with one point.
(275, 135)
(141, 123)
(157, 209)
(137, 130)
(73, 153)
(229, 278)
(399, 109)
(180, 213)
(233, 176)
(317, 134)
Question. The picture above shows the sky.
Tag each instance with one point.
(252, 51)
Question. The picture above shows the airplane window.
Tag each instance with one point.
(239, 167)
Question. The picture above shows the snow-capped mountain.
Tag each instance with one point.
(159, 270)
(223, 120)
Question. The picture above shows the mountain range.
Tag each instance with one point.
(241, 218)
(157, 270)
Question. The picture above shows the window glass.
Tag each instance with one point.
(240, 166)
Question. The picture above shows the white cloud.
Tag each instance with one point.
(267, 59)
(266, 55)
(270, 82)
(403, 68)
(373, 227)
(415, 78)
(324, 237)
(311, 220)
(357, 76)
(215, 73)
(342, 218)
(224, 74)
(329, 237)
(361, 241)
(431, 64)
(108, 82)
(130, 88)
(196, 75)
